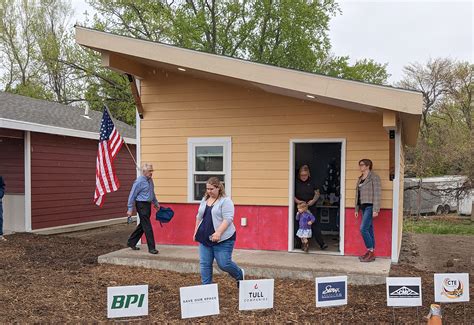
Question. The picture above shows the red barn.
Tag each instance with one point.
(47, 159)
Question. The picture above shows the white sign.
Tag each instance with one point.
(127, 301)
(404, 292)
(331, 291)
(451, 287)
(256, 294)
(199, 301)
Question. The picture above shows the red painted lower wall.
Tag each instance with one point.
(353, 242)
(267, 229)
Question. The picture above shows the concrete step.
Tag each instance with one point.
(257, 263)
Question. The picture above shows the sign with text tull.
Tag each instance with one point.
(256, 294)
(404, 292)
(196, 301)
(127, 301)
(331, 291)
(451, 287)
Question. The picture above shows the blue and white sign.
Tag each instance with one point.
(127, 301)
(331, 291)
(256, 294)
(197, 301)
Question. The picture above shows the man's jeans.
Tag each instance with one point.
(1, 218)
(222, 252)
(367, 227)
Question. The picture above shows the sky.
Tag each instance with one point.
(395, 32)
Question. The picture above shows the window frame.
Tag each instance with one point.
(226, 143)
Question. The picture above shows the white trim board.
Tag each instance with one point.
(34, 127)
(395, 198)
(291, 190)
(27, 161)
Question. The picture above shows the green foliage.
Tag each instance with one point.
(431, 225)
(31, 89)
(41, 59)
(287, 33)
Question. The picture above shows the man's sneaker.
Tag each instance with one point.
(324, 246)
(153, 251)
(134, 247)
(2, 238)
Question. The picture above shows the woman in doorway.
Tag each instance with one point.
(367, 198)
(215, 232)
(306, 191)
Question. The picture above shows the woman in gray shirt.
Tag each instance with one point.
(215, 232)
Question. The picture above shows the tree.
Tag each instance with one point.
(287, 33)
(446, 146)
(17, 46)
(432, 81)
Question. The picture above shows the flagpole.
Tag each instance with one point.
(125, 143)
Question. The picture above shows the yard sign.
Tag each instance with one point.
(331, 291)
(127, 301)
(256, 294)
(404, 292)
(199, 301)
(451, 287)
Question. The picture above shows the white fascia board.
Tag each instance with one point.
(34, 127)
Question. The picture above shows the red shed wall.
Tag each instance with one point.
(12, 163)
(63, 181)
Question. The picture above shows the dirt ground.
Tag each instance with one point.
(56, 279)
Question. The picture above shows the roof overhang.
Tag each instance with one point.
(35, 127)
(135, 56)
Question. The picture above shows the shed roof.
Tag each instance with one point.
(25, 113)
(136, 56)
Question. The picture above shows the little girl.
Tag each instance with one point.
(305, 219)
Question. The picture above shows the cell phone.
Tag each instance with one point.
(129, 220)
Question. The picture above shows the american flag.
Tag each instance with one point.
(110, 142)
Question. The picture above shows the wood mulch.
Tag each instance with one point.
(57, 279)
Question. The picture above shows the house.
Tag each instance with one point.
(48, 157)
(254, 125)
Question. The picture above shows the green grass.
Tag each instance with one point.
(432, 225)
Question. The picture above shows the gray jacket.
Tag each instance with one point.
(222, 210)
(370, 191)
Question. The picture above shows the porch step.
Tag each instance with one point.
(257, 263)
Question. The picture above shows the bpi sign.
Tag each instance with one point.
(127, 301)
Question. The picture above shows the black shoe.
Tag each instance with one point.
(153, 251)
(135, 248)
(324, 246)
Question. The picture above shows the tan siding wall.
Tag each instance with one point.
(261, 126)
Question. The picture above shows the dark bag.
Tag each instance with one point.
(164, 215)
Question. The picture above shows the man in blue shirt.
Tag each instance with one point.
(143, 195)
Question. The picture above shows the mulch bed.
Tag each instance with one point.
(57, 279)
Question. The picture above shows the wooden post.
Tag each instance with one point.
(136, 95)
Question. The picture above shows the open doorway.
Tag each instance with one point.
(325, 160)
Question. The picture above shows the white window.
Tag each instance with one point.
(207, 157)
